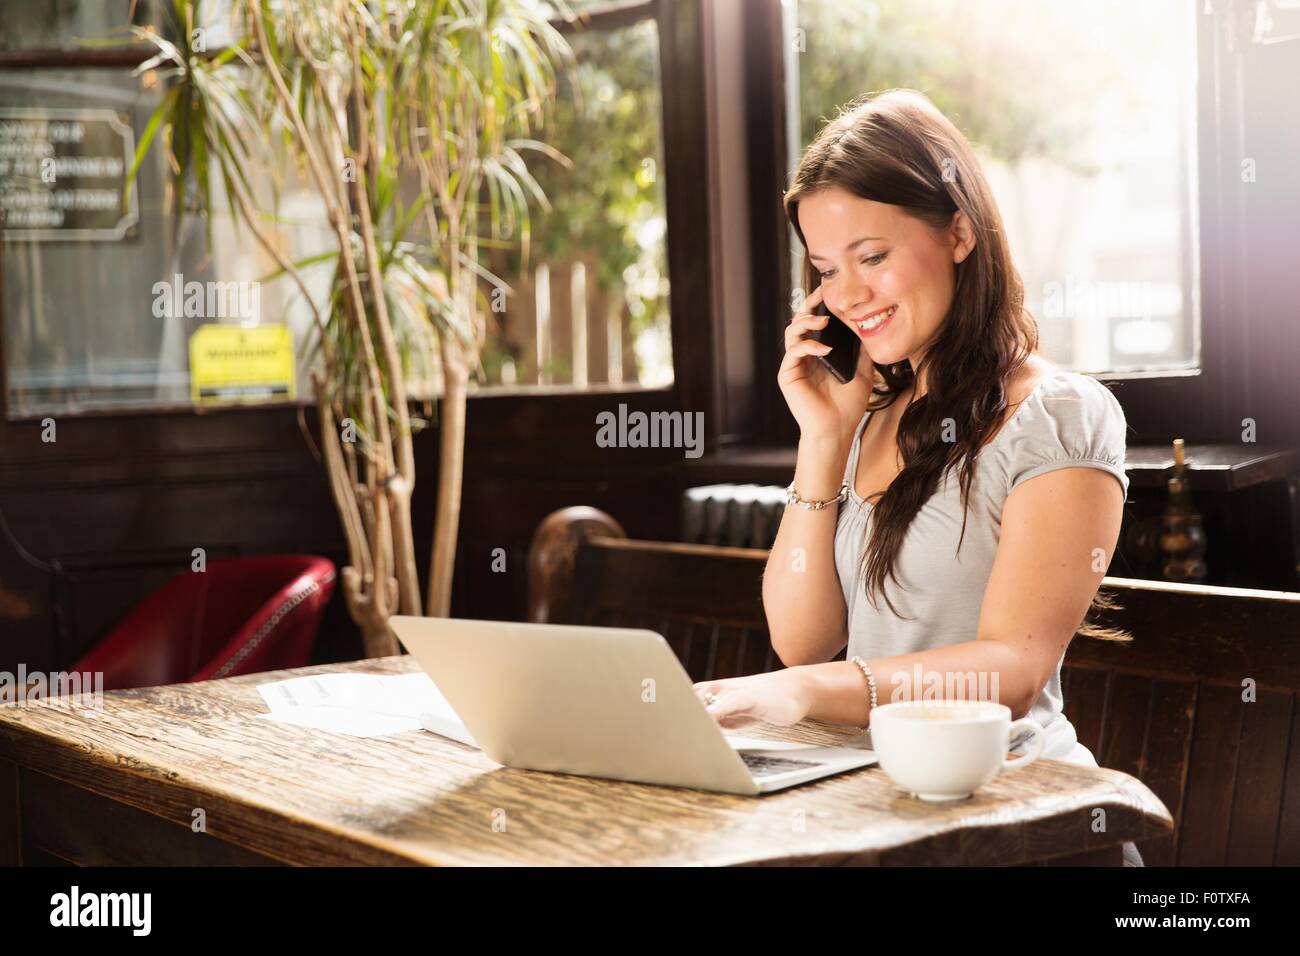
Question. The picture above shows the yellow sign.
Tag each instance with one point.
(229, 363)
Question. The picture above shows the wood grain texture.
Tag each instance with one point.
(1287, 852)
(1168, 743)
(552, 555)
(10, 822)
(1211, 778)
(306, 797)
(75, 826)
(1171, 708)
(1261, 767)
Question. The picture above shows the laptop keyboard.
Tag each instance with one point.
(763, 765)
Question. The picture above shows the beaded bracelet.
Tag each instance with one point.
(792, 498)
(871, 683)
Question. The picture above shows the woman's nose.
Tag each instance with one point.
(856, 300)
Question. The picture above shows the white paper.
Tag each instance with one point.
(344, 720)
(363, 705)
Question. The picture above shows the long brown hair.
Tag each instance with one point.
(897, 148)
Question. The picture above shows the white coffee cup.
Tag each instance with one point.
(947, 749)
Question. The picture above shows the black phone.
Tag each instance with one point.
(842, 360)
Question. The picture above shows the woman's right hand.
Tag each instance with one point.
(823, 407)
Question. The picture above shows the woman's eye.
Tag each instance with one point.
(873, 260)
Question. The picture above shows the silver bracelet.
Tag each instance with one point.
(791, 498)
(871, 682)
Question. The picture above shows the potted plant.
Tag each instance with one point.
(408, 118)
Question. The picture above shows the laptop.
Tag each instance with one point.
(600, 702)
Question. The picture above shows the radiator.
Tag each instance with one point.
(738, 516)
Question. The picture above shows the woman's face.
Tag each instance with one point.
(886, 274)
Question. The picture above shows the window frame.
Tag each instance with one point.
(682, 68)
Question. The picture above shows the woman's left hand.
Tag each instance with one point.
(779, 697)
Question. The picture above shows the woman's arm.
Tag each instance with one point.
(1059, 531)
(802, 598)
(806, 616)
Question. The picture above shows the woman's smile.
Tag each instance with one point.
(873, 323)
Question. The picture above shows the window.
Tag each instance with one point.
(94, 319)
(1084, 117)
(591, 304)
(94, 315)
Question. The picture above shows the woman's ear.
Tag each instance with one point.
(963, 236)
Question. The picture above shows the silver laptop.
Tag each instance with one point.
(600, 702)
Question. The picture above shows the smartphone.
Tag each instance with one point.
(842, 360)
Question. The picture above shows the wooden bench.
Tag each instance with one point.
(1169, 707)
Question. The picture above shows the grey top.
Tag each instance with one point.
(1068, 420)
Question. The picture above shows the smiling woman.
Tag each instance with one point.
(896, 215)
(990, 488)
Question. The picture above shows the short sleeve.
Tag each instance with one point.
(1070, 420)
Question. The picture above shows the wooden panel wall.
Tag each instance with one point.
(115, 506)
(1202, 708)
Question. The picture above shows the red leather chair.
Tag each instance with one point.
(240, 616)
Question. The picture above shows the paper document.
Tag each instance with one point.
(364, 705)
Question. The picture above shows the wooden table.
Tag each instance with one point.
(130, 783)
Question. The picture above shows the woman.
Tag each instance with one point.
(957, 503)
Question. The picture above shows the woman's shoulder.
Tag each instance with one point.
(1073, 397)
(1064, 418)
